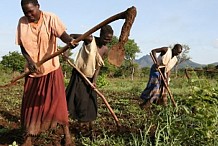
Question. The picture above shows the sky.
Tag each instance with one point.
(158, 23)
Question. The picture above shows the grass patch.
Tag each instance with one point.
(193, 122)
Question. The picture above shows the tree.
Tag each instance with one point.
(67, 69)
(113, 42)
(14, 61)
(182, 57)
(145, 71)
(131, 49)
(128, 66)
(110, 69)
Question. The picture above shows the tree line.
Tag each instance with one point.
(15, 62)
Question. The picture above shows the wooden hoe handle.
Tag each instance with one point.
(97, 91)
(121, 15)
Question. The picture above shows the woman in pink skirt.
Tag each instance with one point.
(44, 100)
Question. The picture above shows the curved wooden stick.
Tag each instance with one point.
(97, 91)
(117, 51)
(162, 76)
(121, 15)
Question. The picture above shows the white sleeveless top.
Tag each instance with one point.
(167, 61)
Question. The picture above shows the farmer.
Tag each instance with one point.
(81, 99)
(44, 100)
(155, 90)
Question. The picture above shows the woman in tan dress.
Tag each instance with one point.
(44, 100)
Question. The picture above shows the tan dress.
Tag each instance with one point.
(44, 101)
(40, 41)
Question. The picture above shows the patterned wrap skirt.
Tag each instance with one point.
(152, 90)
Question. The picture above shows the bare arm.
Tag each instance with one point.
(95, 76)
(103, 53)
(66, 38)
(161, 50)
(31, 64)
(87, 40)
(25, 54)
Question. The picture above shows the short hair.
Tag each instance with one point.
(178, 46)
(106, 29)
(34, 2)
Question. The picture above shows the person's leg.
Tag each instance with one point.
(67, 136)
(164, 97)
(28, 141)
(145, 105)
(85, 129)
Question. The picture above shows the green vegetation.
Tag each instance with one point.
(193, 122)
(13, 61)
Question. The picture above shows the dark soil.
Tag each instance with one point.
(10, 131)
(10, 127)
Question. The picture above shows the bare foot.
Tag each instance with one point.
(28, 141)
(68, 141)
(145, 105)
(67, 136)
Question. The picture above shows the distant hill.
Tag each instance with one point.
(146, 61)
(191, 64)
(216, 63)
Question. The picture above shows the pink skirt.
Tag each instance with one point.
(44, 103)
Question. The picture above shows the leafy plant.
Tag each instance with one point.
(14, 144)
(102, 81)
